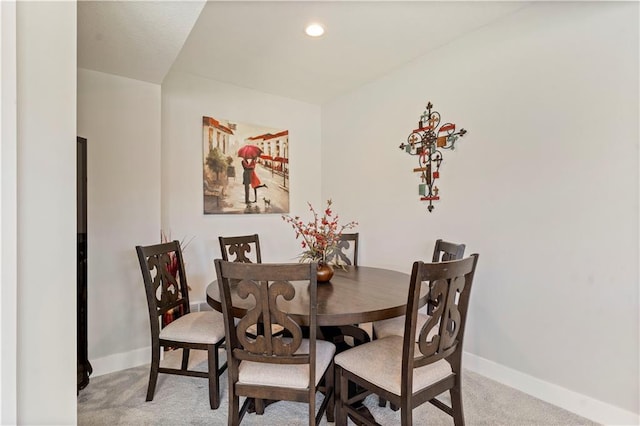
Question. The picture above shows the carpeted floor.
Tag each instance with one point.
(119, 399)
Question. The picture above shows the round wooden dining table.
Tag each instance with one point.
(357, 294)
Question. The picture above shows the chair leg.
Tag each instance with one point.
(336, 391)
(312, 406)
(330, 380)
(406, 417)
(406, 412)
(259, 406)
(233, 417)
(342, 393)
(214, 379)
(153, 373)
(185, 358)
(456, 404)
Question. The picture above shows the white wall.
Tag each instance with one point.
(120, 118)
(129, 185)
(185, 100)
(46, 177)
(544, 187)
(8, 213)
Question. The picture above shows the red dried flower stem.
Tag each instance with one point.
(320, 236)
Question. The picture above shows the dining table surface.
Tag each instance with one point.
(355, 294)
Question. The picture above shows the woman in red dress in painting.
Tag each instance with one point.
(249, 177)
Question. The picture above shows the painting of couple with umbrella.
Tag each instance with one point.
(250, 154)
(260, 153)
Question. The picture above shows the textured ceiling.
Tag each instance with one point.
(135, 39)
(261, 45)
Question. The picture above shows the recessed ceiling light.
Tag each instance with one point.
(314, 30)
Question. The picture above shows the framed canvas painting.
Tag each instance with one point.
(245, 168)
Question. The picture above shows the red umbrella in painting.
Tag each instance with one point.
(249, 151)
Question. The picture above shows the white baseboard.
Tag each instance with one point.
(120, 361)
(134, 358)
(577, 403)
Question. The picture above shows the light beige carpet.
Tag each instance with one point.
(119, 399)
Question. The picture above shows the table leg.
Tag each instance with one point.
(336, 335)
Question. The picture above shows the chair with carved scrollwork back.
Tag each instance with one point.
(410, 373)
(270, 366)
(166, 288)
(442, 251)
(346, 252)
(445, 250)
(245, 248)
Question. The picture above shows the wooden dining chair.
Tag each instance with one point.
(442, 251)
(346, 252)
(166, 288)
(268, 366)
(410, 373)
(445, 250)
(245, 248)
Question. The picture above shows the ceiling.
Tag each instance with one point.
(261, 44)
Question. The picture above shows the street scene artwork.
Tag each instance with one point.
(245, 168)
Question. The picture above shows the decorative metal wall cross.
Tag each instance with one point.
(425, 142)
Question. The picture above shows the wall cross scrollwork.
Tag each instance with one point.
(427, 142)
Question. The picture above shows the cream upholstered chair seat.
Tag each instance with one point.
(287, 375)
(380, 362)
(195, 327)
(395, 326)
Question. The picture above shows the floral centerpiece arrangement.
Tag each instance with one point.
(320, 236)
